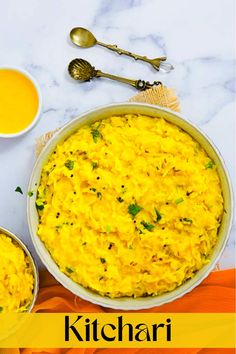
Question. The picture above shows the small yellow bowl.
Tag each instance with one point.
(34, 118)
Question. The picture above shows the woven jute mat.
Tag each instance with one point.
(158, 95)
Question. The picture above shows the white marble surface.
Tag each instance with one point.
(197, 36)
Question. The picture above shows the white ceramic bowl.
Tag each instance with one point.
(37, 116)
(126, 303)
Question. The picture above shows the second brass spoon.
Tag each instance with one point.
(84, 38)
(80, 69)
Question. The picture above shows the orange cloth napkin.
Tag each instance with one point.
(214, 294)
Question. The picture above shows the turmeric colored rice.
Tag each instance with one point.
(16, 277)
(129, 206)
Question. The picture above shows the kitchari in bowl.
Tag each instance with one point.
(18, 276)
(125, 207)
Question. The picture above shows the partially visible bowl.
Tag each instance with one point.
(126, 303)
(39, 95)
(32, 264)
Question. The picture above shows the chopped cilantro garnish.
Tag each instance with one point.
(147, 225)
(19, 190)
(94, 165)
(179, 200)
(39, 206)
(102, 260)
(93, 189)
(1, 308)
(158, 215)
(188, 220)
(95, 134)
(69, 270)
(134, 209)
(99, 195)
(69, 164)
(108, 229)
(210, 164)
(30, 193)
(120, 200)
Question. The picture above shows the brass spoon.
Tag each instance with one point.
(80, 69)
(85, 39)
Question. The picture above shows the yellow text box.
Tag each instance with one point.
(117, 330)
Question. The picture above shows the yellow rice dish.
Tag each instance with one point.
(129, 206)
(16, 277)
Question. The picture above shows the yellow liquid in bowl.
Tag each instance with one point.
(19, 101)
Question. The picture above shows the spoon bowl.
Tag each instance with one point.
(80, 69)
(82, 37)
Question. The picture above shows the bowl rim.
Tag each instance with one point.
(38, 90)
(133, 303)
(33, 264)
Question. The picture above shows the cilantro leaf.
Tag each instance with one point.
(134, 209)
(158, 215)
(69, 270)
(99, 195)
(210, 164)
(96, 134)
(179, 200)
(69, 164)
(19, 190)
(94, 165)
(39, 206)
(147, 225)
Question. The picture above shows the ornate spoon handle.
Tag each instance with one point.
(138, 84)
(156, 62)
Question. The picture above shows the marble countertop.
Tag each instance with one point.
(197, 37)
